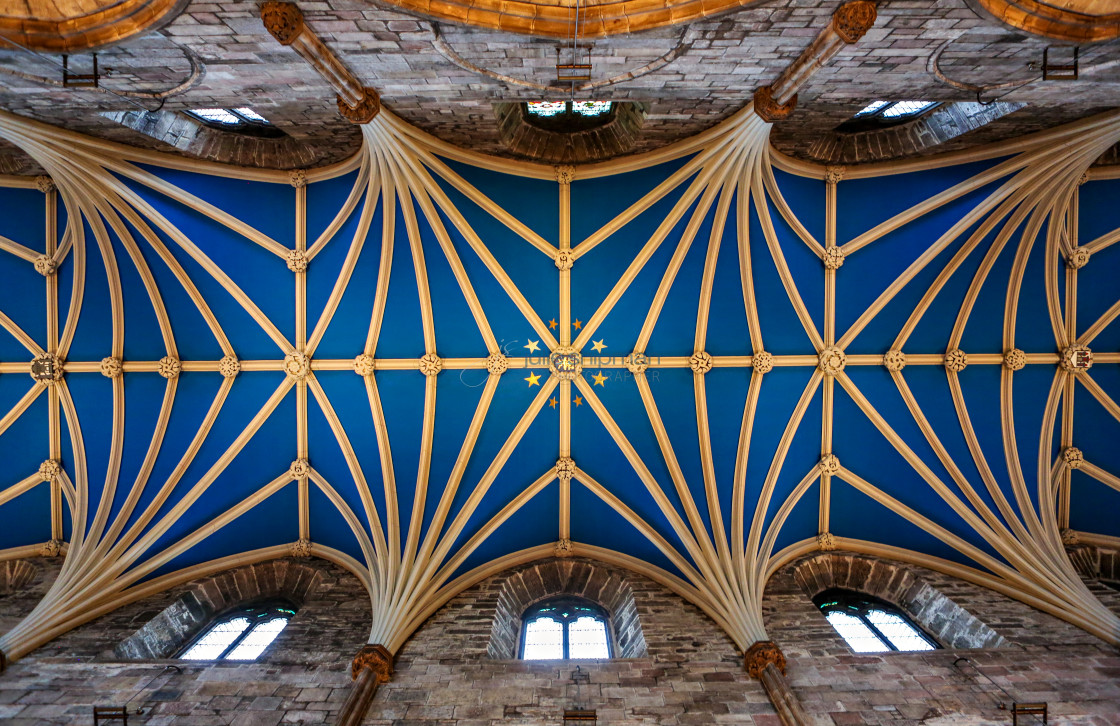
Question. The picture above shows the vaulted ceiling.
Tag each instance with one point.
(426, 364)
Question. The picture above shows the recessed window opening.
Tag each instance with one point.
(886, 113)
(242, 120)
(241, 634)
(565, 628)
(870, 625)
(568, 115)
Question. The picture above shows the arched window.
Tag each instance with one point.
(568, 116)
(871, 625)
(240, 634)
(565, 628)
(878, 114)
(243, 120)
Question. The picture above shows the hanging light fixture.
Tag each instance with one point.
(579, 713)
(578, 67)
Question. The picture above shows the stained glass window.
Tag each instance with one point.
(565, 628)
(546, 109)
(591, 108)
(586, 109)
(870, 625)
(241, 635)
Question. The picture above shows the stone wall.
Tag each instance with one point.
(302, 678)
(1040, 658)
(690, 672)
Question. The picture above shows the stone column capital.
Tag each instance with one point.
(762, 654)
(368, 107)
(284, 21)
(376, 658)
(768, 109)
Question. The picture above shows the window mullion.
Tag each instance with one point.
(237, 641)
(862, 615)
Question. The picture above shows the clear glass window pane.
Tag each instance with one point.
(216, 115)
(859, 636)
(545, 108)
(251, 115)
(587, 638)
(257, 640)
(544, 639)
(871, 108)
(591, 108)
(214, 643)
(907, 108)
(901, 634)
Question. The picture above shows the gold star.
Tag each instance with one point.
(534, 379)
(598, 346)
(552, 324)
(600, 379)
(532, 346)
(577, 324)
(579, 401)
(552, 402)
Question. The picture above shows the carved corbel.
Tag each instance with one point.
(761, 654)
(372, 666)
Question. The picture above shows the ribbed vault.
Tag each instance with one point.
(428, 365)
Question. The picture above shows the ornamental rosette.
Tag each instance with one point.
(830, 464)
(956, 360)
(297, 178)
(49, 469)
(363, 365)
(1078, 258)
(831, 361)
(51, 548)
(700, 362)
(564, 259)
(565, 363)
(637, 363)
(297, 365)
(299, 469)
(229, 366)
(565, 173)
(833, 258)
(1014, 359)
(1070, 538)
(1073, 458)
(496, 364)
(170, 367)
(1076, 358)
(111, 367)
(565, 468)
(762, 362)
(826, 542)
(894, 360)
(44, 184)
(430, 364)
(564, 548)
(47, 368)
(301, 547)
(297, 260)
(833, 174)
(45, 266)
